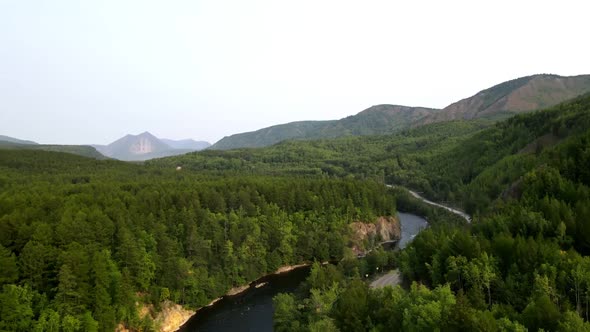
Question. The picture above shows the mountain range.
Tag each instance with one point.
(129, 148)
(147, 146)
(516, 96)
(11, 143)
(375, 120)
(9, 139)
(520, 95)
(189, 144)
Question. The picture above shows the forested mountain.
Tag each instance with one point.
(376, 120)
(81, 150)
(520, 95)
(14, 140)
(522, 265)
(441, 159)
(147, 146)
(11, 143)
(83, 240)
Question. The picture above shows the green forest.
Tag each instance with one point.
(522, 264)
(83, 240)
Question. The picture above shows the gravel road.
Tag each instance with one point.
(392, 278)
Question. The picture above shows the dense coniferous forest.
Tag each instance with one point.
(466, 163)
(83, 240)
(522, 265)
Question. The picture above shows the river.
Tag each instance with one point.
(253, 311)
(411, 225)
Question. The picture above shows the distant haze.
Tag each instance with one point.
(80, 72)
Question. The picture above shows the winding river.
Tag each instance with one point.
(253, 311)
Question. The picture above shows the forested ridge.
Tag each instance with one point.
(83, 240)
(82, 150)
(521, 95)
(467, 163)
(521, 265)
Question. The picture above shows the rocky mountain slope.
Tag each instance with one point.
(520, 95)
(147, 146)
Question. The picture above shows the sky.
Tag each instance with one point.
(82, 72)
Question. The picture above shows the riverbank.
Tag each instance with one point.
(172, 317)
(168, 319)
(237, 311)
(239, 290)
(253, 309)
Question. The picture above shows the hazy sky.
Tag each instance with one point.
(92, 71)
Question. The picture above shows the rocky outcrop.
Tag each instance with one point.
(389, 228)
(172, 316)
(365, 235)
(147, 146)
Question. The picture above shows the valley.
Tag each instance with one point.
(294, 166)
(253, 309)
(86, 243)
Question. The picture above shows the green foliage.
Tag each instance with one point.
(377, 120)
(286, 316)
(571, 321)
(9, 272)
(324, 325)
(81, 150)
(467, 163)
(16, 311)
(83, 240)
(95, 237)
(49, 321)
(520, 265)
(351, 311)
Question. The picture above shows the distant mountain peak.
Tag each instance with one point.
(147, 133)
(145, 146)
